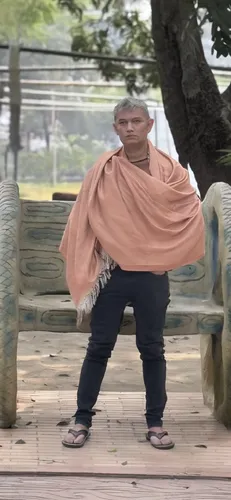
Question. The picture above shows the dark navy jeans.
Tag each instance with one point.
(149, 295)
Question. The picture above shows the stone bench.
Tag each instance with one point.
(34, 295)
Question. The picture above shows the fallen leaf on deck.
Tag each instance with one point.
(20, 441)
(118, 422)
(124, 463)
(52, 355)
(112, 451)
(33, 400)
(63, 375)
(63, 422)
(29, 423)
(200, 446)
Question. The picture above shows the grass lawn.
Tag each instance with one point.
(44, 191)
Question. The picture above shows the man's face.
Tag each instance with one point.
(132, 126)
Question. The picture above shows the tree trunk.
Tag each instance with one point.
(198, 115)
(15, 175)
(6, 152)
(15, 104)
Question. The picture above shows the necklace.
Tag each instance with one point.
(139, 161)
(143, 159)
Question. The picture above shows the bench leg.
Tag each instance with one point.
(216, 375)
(8, 378)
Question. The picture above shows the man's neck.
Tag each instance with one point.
(136, 153)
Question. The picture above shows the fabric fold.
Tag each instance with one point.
(125, 217)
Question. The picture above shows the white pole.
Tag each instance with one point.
(54, 144)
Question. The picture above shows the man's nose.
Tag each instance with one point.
(130, 126)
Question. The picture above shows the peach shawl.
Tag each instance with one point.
(124, 216)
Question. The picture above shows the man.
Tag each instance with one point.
(136, 218)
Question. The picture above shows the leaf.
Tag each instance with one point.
(52, 355)
(200, 446)
(118, 422)
(64, 422)
(33, 400)
(29, 423)
(63, 375)
(20, 441)
(114, 450)
(124, 463)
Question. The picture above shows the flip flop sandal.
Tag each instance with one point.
(159, 435)
(82, 432)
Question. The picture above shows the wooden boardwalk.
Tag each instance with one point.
(75, 488)
(117, 463)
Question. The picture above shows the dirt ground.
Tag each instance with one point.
(53, 361)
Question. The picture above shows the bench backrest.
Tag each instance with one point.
(42, 269)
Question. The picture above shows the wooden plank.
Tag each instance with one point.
(117, 446)
(89, 488)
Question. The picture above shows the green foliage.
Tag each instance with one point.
(75, 156)
(22, 19)
(218, 12)
(115, 30)
(226, 158)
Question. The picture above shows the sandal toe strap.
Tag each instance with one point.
(158, 435)
(81, 432)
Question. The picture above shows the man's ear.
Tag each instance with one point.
(150, 124)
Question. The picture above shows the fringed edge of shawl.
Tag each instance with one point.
(86, 305)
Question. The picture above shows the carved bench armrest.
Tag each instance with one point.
(9, 282)
(216, 349)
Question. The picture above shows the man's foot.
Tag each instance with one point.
(159, 438)
(76, 436)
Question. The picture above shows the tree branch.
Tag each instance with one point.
(226, 95)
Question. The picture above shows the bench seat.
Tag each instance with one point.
(57, 313)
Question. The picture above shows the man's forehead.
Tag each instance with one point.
(127, 114)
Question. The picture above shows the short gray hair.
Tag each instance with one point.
(131, 103)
